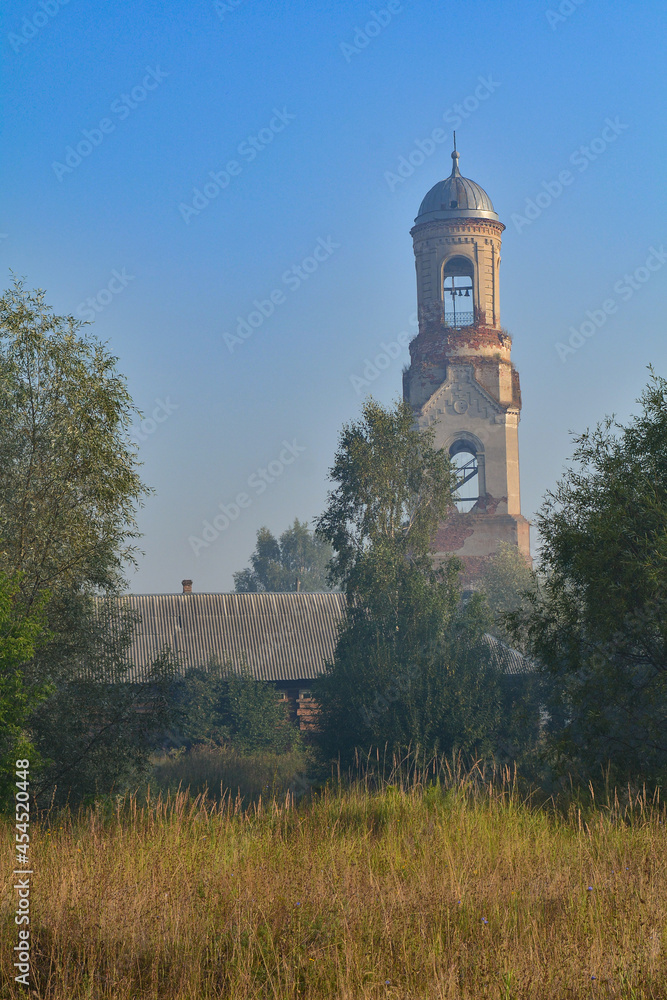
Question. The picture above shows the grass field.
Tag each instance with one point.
(454, 890)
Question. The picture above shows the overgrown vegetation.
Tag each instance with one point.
(221, 706)
(69, 490)
(598, 624)
(506, 581)
(252, 873)
(411, 667)
(217, 771)
(438, 883)
(19, 634)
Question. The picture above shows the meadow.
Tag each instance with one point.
(430, 883)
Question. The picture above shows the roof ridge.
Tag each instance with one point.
(232, 593)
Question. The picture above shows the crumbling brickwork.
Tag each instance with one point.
(461, 381)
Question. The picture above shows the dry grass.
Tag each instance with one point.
(460, 890)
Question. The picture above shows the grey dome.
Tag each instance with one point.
(456, 198)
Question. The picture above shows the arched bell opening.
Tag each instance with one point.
(458, 293)
(467, 460)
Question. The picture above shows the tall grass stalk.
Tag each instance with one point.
(411, 879)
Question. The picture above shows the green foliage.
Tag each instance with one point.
(199, 716)
(599, 621)
(295, 562)
(411, 668)
(69, 489)
(19, 635)
(506, 580)
(224, 706)
(68, 479)
(393, 490)
(411, 665)
(96, 731)
(258, 720)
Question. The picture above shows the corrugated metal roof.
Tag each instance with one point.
(509, 660)
(281, 636)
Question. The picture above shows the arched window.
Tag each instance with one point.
(466, 467)
(457, 292)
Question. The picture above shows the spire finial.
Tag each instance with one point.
(455, 158)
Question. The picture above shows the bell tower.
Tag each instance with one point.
(461, 380)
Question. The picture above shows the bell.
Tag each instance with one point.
(468, 292)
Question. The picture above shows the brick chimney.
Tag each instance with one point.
(187, 586)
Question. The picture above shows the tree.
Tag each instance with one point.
(393, 490)
(224, 706)
(505, 580)
(19, 635)
(96, 730)
(295, 562)
(411, 666)
(598, 623)
(410, 669)
(69, 490)
(69, 484)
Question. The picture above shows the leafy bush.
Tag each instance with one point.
(223, 706)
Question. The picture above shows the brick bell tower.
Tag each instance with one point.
(461, 380)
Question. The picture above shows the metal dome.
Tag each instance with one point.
(456, 198)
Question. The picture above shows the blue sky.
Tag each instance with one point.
(116, 114)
